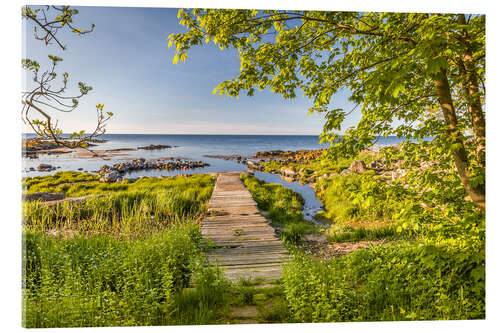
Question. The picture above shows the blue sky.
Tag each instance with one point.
(128, 63)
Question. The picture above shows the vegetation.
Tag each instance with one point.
(122, 258)
(283, 207)
(431, 264)
(414, 75)
(129, 256)
(75, 184)
(400, 281)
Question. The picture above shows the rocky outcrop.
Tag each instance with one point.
(377, 164)
(288, 171)
(358, 166)
(114, 173)
(109, 177)
(154, 147)
(234, 157)
(252, 165)
(269, 154)
(45, 167)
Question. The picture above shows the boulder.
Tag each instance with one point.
(109, 177)
(377, 164)
(45, 167)
(358, 166)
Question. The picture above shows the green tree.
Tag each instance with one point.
(43, 97)
(413, 75)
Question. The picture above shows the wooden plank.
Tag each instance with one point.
(256, 252)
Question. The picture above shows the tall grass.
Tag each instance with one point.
(124, 258)
(137, 211)
(103, 281)
(75, 184)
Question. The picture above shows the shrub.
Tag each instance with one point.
(403, 281)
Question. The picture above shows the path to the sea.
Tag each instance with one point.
(247, 246)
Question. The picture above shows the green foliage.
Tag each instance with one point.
(294, 232)
(102, 281)
(387, 60)
(401, 281)
(339, 233)
(358, 197)
(391, 64)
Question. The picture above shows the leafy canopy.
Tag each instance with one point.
(387, 61)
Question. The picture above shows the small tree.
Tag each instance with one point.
(411, 75)
(43, 98)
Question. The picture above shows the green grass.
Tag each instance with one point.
(125, 258)
(357, 197)
(344, 233)
(283, 206)
(103, 281)
(75, 184)
(138, 210)
(399, 281)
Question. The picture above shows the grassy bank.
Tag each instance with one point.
(431, 265)
(124, 257)
(283, 207)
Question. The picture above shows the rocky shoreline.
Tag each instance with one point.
(386, 170)
(115, 172)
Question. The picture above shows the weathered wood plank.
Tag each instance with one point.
(248, 246)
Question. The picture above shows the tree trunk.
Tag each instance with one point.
(476, 193)
(472, 95)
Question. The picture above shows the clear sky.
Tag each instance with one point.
(128, 63)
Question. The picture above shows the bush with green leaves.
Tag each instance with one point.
(400, 281)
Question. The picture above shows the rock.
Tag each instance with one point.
(43, 196)
(345, 172)
(154, 147)
(252, 165)
(376, 164)
(109, 177)
(45, 167)
(288, 171)
(358, 166)
(80, 169)
(288, 179)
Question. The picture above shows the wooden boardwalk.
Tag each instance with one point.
(247, 246)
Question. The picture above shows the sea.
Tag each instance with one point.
(193, 147)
